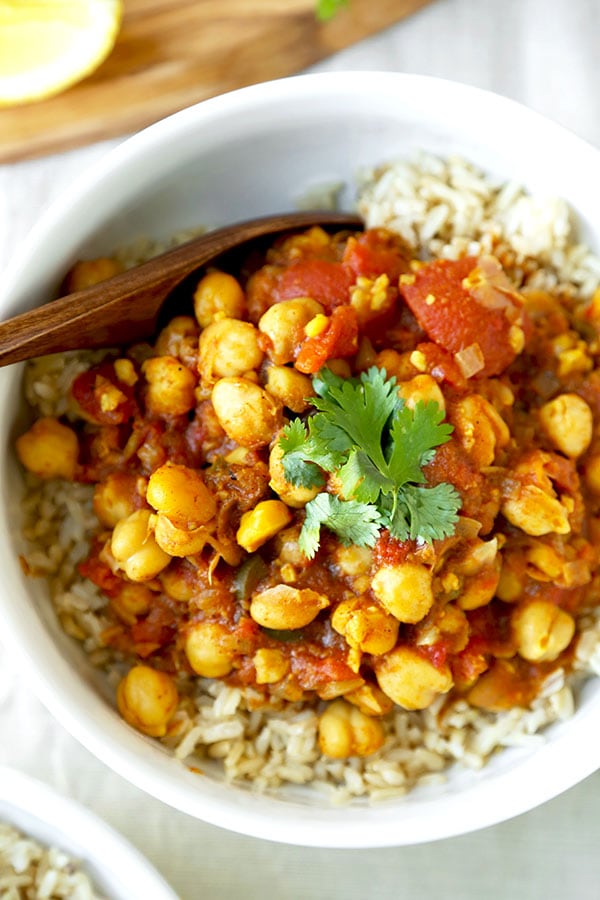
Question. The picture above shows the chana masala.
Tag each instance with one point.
(353, 481)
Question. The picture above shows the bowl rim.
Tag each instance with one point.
(511, 792)
(152, 138)
(73, 825)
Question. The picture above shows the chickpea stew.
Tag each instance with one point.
(358, 483)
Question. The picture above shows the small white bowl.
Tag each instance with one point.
(116, 869)
(247, 153)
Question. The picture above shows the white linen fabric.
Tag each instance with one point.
(544, 54)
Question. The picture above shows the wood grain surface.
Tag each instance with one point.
(172, 53)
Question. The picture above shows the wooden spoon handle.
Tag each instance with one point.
(125, 308)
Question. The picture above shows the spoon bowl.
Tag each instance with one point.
(126, 308)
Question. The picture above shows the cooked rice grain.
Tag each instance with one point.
(31, 871)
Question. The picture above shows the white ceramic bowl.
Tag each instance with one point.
(248, 153)
(116, 869)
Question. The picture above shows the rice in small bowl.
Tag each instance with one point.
(52, 847)
(452, 209)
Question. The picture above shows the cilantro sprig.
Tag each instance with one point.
(376, 446)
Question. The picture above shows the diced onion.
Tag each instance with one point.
(467, 528)
(489, 286)
(470, 360)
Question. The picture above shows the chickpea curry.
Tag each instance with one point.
(351, 477)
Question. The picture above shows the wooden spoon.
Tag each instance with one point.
(126, 308)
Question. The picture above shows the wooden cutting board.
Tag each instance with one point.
(172, 53)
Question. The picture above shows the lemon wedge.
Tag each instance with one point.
(48, 45)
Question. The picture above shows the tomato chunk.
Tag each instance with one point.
(102, 396)
(327, 282)
(99, 573)
(339, 339)
(375, 252)
(463, 302)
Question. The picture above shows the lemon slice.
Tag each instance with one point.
(48, 45)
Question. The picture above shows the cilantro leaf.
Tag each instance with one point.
(375, 446)
(334, 441)
(360, 478)
(359, 409)
(432, 511)
(415, 433)
(353, 522)
(297, 467)
(395, 516)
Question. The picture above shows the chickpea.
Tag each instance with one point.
(179, 541)
(49, 449)
(354, 560)
(544, 562)
(283, 324)
(365, 626)
(346, 731)
(370, 700)
(365, 355)
(286, 608)
(529, 501)
(179, 338)
(409, 679)
(179, 493)
(542, 630)
(271, 665)
(259, 525)
(87, 272)
(170, 386)
(404, 590)
(340, 367)
(480, 564)
(421, 387)
(228, 347)
(246, 412)
(287, 548)
(133, 600)
(453, 627)
(125, 371)
(333, 689)
(492, 689)
(535, 511)
(394, 363)
(480, 589)
(497, 688)
(177, 582)
(567, 421)
(510, 584)
(290, 387)
(120, 494)
(291, 494)
(218, 294)
(592, 473)
(147, 699)
(209, 649)
(480, 428)
(134, 547)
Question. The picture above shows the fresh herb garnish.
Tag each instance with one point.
(326, 9)
(375, 446)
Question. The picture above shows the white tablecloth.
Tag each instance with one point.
(545, 54)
